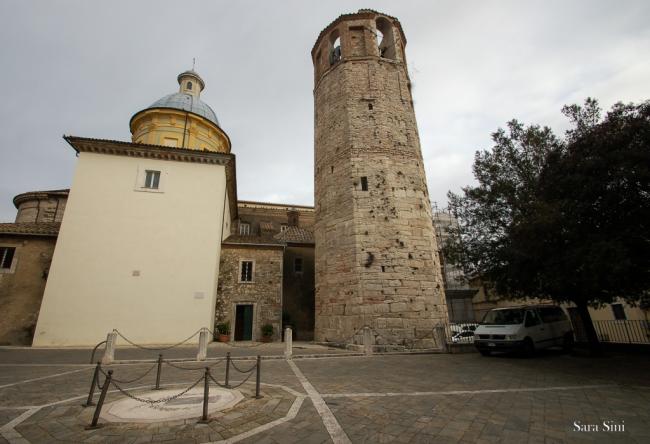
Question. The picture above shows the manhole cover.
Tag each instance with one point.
(189, 405)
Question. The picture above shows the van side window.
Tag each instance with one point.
(547, 314)
(562, 316)
(531, 319)
(552, 314)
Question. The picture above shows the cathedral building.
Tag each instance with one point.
(155, 243)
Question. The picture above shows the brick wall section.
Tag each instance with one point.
(376, 253)
(21, 289)
(265, 292)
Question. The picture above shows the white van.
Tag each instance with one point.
(525, 328)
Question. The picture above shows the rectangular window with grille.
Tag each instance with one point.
(6, 257)
(246, 271)
(152, 179)
(297, 265)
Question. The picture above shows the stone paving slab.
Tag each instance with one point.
(12, 373)
(7, 415)
(420, 398)
(507, 417)
(468, 371)
(303, 429)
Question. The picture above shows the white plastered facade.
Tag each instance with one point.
(143, 262)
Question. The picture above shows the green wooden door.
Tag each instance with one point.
(244, 323)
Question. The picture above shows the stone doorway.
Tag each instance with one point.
(244, 322)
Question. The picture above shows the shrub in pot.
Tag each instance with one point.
(267, 332)
(223, 329)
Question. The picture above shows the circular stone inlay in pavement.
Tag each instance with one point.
(189, 405)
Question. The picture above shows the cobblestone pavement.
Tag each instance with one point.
(386, 398)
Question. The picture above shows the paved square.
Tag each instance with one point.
(384, 398)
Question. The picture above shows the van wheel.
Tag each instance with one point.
(529, 348)
(485, 352)
(567, 342)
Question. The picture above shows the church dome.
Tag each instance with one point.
(186, 102)
(181, 120)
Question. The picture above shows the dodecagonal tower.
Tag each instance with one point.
(376, 252)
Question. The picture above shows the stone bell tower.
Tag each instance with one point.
(376, 252)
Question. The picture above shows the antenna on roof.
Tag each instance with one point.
(193, 62)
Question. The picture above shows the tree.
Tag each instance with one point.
(565, 219)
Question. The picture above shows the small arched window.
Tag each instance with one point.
(385, 39)
(335, 47)
(189, 85)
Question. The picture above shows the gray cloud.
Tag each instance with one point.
(85, 68)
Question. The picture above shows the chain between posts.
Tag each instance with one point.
(138, 378)
(101, 387)
(156, 348)
(231, 386)
(243, 371)
(206, 378)
(219, 361)
(217, 382)
(92, 356)
(157, 401)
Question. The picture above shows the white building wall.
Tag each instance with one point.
(145, 263)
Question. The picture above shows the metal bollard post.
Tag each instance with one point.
(203, 345)
(288, 343)
(89, 401)
(100, 403)
(227, 383)
(206, 396)
(367, 341)
(109, 351)
(160, 359)
(257, 378)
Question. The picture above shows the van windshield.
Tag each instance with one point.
(510, 316)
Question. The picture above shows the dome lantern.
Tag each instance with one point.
(191, 83)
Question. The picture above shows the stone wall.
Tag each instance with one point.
(376, 255)
(41, 206)
(264, 293)
(21, 287)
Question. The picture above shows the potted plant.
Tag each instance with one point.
(267, 333)
(223, 329)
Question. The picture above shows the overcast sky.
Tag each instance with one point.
(85, 67)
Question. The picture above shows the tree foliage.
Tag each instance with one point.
(565, 219)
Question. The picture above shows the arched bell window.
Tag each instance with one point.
(385, 39)
(189, 85)
(335, 47)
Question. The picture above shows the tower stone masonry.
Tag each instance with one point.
(376, 255)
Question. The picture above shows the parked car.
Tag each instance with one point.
(525, 329)
(463, 337)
